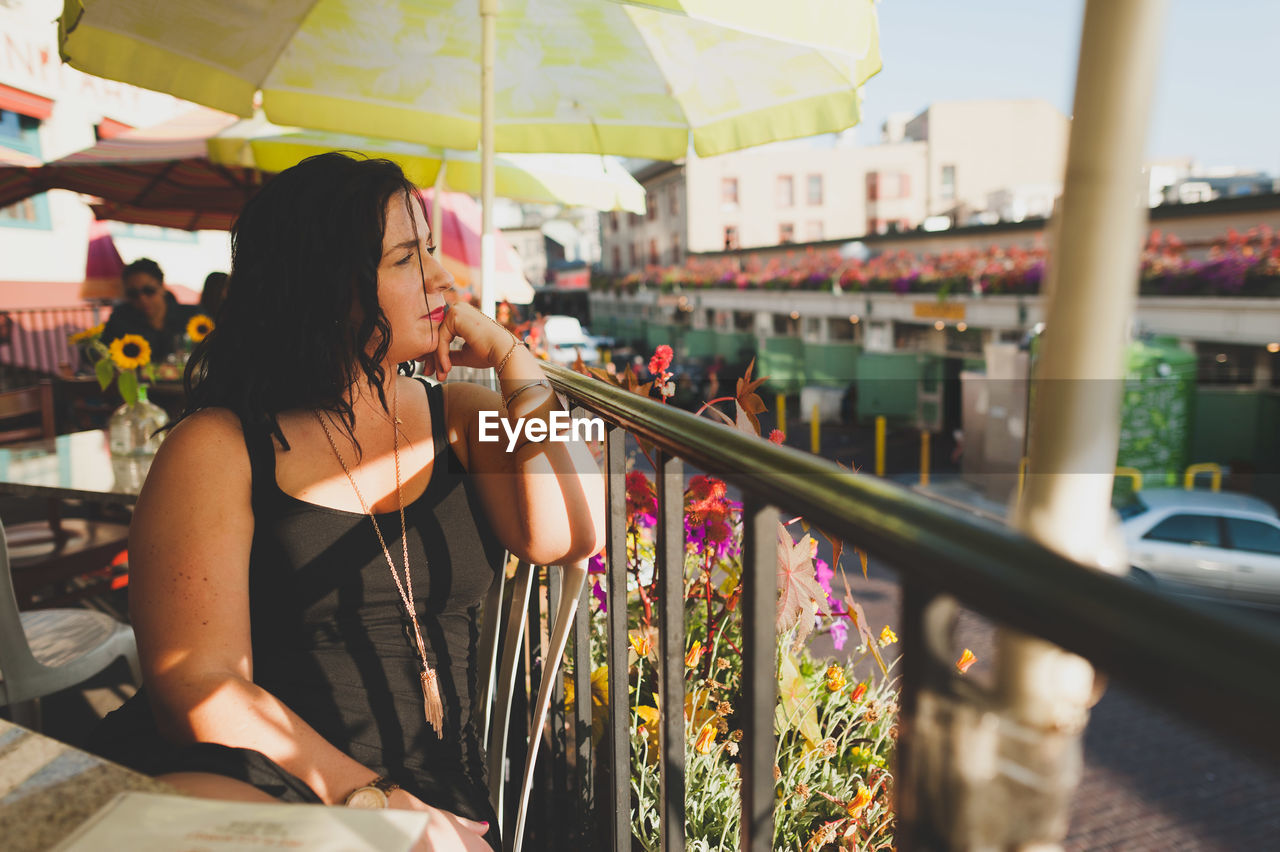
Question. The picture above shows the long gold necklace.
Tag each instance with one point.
(433, 709)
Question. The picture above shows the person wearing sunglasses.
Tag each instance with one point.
(148, 309)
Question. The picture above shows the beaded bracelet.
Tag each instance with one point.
(515, 393)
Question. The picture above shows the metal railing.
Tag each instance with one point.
(1187, 659)
(33, 341)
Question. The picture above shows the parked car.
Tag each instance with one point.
(565, 338)
(1205, 544)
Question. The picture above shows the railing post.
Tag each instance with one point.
(759, 671)
(670, 567)
(618, 736)
(585, 800)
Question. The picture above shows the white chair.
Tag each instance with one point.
(47, 650)
(499, 681)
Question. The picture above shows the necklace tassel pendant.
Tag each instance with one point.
(432, 706)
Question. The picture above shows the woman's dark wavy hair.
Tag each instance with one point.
(304, 261)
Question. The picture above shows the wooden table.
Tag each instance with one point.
(48, 788)
(78, 466)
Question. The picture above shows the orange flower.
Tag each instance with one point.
(640, 643)
(966, 659)
(855, 695)
(695, 654)
(856, 805)
(706, 740)
(835, 679)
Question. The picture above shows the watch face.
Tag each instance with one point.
(367, 797)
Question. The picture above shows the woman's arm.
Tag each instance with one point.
(189, 603)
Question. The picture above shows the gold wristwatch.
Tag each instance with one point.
(373, 795)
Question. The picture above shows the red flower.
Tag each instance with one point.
(777, 437)
(642, 502)
(708, 510)
(661, 359)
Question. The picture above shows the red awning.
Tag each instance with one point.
(25, 103)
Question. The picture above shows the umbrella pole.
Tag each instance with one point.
(1000, 774)
(489, 28)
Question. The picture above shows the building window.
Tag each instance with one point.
(815, 190)
(730, 237)
(651, 202)
(675, 249)
(873, 186)
(617, 258)
(729, 190)
(22, 133)
(813, 231)
(743, 321)
(673, 200)
(785, 326)
(654, 260)
(785, 191)
(947, 189)
(786, 233)
(634, 253)
(613, 222)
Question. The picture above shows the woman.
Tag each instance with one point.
(148, 309)
(277, 629)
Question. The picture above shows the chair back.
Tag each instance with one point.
(16, 660)
(498, 679)
(26, 414)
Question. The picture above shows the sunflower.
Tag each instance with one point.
(198, 327)
(87, 334)
(130, 351)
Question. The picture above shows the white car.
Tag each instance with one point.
(1205, 544)
(565, 338)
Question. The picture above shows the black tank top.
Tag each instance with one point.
(331, 638)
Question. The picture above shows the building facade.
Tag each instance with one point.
(950, 162)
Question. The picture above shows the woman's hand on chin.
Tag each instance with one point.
(484, 341)
(445, 831)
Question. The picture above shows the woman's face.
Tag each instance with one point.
(411, 283)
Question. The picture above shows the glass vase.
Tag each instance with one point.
(131, 431)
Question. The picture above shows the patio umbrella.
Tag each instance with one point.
(579, 180)
(164, 166)
(103, 266)
(597, 76)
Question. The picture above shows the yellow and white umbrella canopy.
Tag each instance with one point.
(580, 180)
(594, 76)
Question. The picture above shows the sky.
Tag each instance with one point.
(1216, 96)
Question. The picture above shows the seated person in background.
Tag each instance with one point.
(215, 289)
(148, 309)
(312, 545)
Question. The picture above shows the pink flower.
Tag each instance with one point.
(777, 437)
(601, 597)
(661, 359)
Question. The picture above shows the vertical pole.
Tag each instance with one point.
(880, 446)
(1040, 690)
(489, 38)
(924, 456)
(670, 553)
(617, 805)
(759, 671)
(815, 431)
(781, 408)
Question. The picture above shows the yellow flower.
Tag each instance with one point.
(887, 636)
(640, 643)
(87, 334)
(198, 327)
(695, 654)
(706, 740)
(130, 351)
(966, 659)
(835, 679)
(858, 802)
